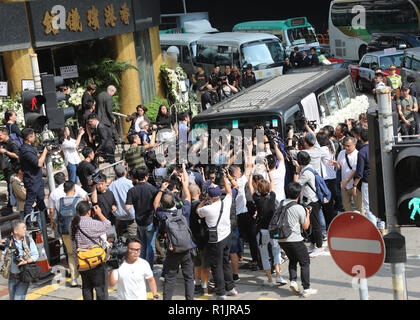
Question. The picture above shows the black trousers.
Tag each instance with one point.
(248, 231)
(316, 234)
(34, 193)
(297, 252)
(221, 268)
(95, 279)
(173, 261)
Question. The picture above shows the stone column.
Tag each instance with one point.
(157, 60)
(130, 95)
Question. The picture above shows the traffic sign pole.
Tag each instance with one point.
(363, 289)
(386, 133)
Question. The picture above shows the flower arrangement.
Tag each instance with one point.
(16, 105)
(173, 79)
(358, 105)
(76, 95)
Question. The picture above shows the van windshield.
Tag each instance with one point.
(262, 55)
(302, 35)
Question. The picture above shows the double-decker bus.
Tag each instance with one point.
(352, 23)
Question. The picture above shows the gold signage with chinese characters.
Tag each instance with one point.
(91, 15)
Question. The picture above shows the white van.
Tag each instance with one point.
(262, 50)
(186, 43)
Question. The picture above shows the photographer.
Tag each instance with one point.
(105, 199)
(141, 197)
(65, 210)
(85, 232)
(19, 250)
(86, 168)
(130, 276)
(294, 245)
(225, 88)
(9, 158)
(219, 251)
(135, 154)
(310, 199)
(166, 209)
(32, 172)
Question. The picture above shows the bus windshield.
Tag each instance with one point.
(262, 55)
(302, 35)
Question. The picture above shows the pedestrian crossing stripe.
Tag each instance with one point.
(268, 299)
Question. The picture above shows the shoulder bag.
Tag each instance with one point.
(88, 259)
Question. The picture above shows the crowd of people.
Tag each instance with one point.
(214, 209)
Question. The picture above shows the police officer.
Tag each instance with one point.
(396, 82)
(32, 172)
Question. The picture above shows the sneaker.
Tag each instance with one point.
(198, 289)
(74, 283)
(294, 287)
(233, 292)
(211, 284)
(316, 252)
(162, 279)
(324, 237)
(311, 247)
(216, 297)
(236, 278)
(269, 284)
(281, 281)
(307, 292)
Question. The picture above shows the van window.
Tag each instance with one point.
(332, 100)
(216, 55)
(325, 110)
(291, 115)
(261, 54)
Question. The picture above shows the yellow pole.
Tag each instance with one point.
(157, 60)
(130, 95)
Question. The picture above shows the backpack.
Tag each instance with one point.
(65, 215)
(178, 234)
(18, 140)
(279, 227)
(321, 190)
(13, 200)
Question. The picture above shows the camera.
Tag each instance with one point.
(97, 176)
(53, 144)
(117, 253)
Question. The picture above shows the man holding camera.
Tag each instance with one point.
(86, 168)
(217, 214)
(294, 246)
(130, 276)
(166, 207)
(32, 172)
(141, 197)
(135, 154)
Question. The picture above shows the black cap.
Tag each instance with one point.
(404, 87)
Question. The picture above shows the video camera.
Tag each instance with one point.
(117, 253)
(220, 80)
(300, 122)
(53, 144)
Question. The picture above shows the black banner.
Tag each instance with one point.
(14, 31)
(62, 21)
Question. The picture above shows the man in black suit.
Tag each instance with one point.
(103, 137)
(104, 110)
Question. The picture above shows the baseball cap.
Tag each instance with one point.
(404, 87)
(214, 192)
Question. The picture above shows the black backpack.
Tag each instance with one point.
(178, 233)
(279, 227)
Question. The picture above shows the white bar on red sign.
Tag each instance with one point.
(355, 245)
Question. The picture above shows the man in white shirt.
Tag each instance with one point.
(219, 251)
(130, 276)
(278, 174)
(347, 162)
(59, 193)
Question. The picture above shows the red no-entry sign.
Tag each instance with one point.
(356, 245)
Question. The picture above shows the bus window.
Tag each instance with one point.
(325, 110)
(224, 55)
(343, 93)
(332, 100)
(302, 35)
(235, 55)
